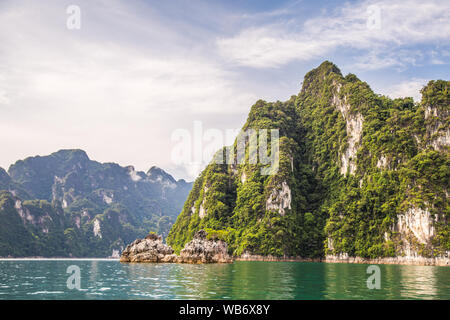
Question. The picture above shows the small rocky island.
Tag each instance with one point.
(199, 250)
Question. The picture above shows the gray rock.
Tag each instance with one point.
(199, 250)
(150, 249)
(202, 250)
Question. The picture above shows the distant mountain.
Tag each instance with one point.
(6, 183)
(65, 204)
(360, 175)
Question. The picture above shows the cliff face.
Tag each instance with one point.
(435, 102)
(70, 205)
(360, 175)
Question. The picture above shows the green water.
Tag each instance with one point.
(108, 279)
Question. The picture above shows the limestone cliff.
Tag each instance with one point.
(360, 176)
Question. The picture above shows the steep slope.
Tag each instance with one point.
(69, 176)
(31, 227)
(84, 208)
(6, 183)
(359, 175)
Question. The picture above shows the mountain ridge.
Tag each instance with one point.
(91, 208)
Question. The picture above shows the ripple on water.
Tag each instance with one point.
(45, 292)
(245, 280)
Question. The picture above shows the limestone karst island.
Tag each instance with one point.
(362, 178)
(247, 154)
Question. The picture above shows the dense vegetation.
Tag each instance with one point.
(401, 162)
(68, 205)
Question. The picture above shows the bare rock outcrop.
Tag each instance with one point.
(150, 249)
(202, 250)
(280, 199)
(199, 250)
(354, 127)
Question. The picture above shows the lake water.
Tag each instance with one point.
(110, 279)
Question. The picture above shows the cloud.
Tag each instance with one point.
(380, 59)
(407, 89)
(138, 70)
(117, 87)
(399, 25)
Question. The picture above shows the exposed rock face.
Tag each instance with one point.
(24, 214)
(406, 260)
(354, 125)
(202, 211)
(382, 162)
(115, 254)
(418, 222)
(280, 199)
(97, 229)
(199, 250)
(416, 230)
(437, 130)
(150, 249)
(243, 177)
(202, 250)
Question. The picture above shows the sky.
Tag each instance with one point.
(124, 80)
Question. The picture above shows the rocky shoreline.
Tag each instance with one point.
(406, 260)
(199, 250)
(255, 257)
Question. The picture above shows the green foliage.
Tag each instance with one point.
(217, 234)
(126, 204)
(330, 213)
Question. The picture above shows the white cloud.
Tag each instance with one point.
(403, 23)
(379, 59)
(119, 99)
(268, 47)
(406, 89)
(134, 73)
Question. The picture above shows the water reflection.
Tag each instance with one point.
(418, 282)
(348, 281)
(240, 280)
